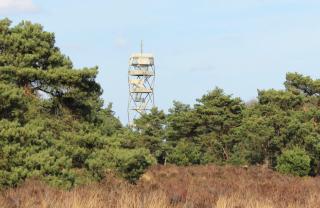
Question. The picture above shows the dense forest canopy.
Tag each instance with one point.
(53, 125)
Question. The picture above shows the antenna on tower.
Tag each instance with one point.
(141, 47)
(141, 78)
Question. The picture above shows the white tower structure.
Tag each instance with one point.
(141, 78)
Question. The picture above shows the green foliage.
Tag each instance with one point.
(207, 126)
(151, 128)
(218, 112)
(65, 88)
(13, 102)
(52, 122)
(298, 83)
(294, 161)
(221, 129)
(181, 122)
(283, 99)
(184, 153)
(130, 163)
(28, 45)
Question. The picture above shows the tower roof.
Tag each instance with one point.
(142, 55)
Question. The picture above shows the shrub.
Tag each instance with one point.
(294, 162)
(185, 153)
(129, 163)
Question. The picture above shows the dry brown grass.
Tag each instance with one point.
(177, 187)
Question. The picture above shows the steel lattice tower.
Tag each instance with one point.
(141, 78)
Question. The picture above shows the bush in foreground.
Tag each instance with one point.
(294, 161)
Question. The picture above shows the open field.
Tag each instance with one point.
(171, 186)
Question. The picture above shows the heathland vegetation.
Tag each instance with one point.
(54, 126)
(170, 186)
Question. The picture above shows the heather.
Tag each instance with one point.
(176, 187)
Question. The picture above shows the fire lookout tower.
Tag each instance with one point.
(141, 78)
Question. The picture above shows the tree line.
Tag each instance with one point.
(53, 125)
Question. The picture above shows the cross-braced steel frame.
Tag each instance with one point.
(141, 80)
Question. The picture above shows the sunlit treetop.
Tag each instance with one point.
(28, 45)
